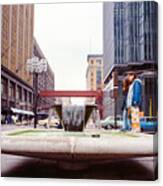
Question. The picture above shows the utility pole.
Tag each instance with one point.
(35, 98)
(115, 92)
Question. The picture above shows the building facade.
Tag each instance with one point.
(45, 80)
(130, 43)
(94, 74)
(16, 48)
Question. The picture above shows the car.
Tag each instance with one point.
(148, 124)
(51, 122)
(109, 122)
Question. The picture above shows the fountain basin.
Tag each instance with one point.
(75, 147)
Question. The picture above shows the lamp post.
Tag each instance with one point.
(36, 67)
(115, 94)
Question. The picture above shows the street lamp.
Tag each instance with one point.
(115, 92)
(36, 67)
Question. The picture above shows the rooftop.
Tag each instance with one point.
(94, 56)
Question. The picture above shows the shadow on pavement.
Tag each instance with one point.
(117, 170)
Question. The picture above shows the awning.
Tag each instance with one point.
(20, 111)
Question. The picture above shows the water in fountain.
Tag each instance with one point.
(73, 117)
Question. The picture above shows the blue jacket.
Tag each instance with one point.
(134, 96)
(137, 93)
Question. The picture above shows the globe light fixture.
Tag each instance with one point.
(34, 65)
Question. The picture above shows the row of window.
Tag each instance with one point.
(129, 43)
(98, 61)
(15, 91)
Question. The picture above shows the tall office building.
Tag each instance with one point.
(140, 36)
(16, 48)
(130, 43)
(108, 38)
(45, 80)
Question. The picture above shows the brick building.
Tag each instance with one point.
(45, 80)
(16, 47)
(94, 73)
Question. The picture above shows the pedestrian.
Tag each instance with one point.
(8, 119)
(2, 119)
(14, 119)
(134, 100)
(125, 88)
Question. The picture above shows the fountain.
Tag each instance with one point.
(76, 150)
(74, 117)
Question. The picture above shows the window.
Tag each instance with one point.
(98, 76)
(30, 97)
(92, 61)
(25, 95)
(19, 93)
(4, 87)
(12, 90)
(98, 61)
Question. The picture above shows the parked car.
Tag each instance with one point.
(108, 123)
(148, 124)
(53, 122)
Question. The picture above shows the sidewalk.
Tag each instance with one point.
(8, 127)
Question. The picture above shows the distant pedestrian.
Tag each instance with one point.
(134, 100)
(14, 119)
(8, 119)
(3, 119)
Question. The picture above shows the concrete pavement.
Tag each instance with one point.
(10, 127)
(129, 169)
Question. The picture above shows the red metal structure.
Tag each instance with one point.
(76, 93)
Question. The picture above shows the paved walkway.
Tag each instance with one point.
(8, 127)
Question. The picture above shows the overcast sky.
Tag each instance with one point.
(66, 33)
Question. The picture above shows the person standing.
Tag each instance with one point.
(134, 100)
(125, 88)
(8, 119)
